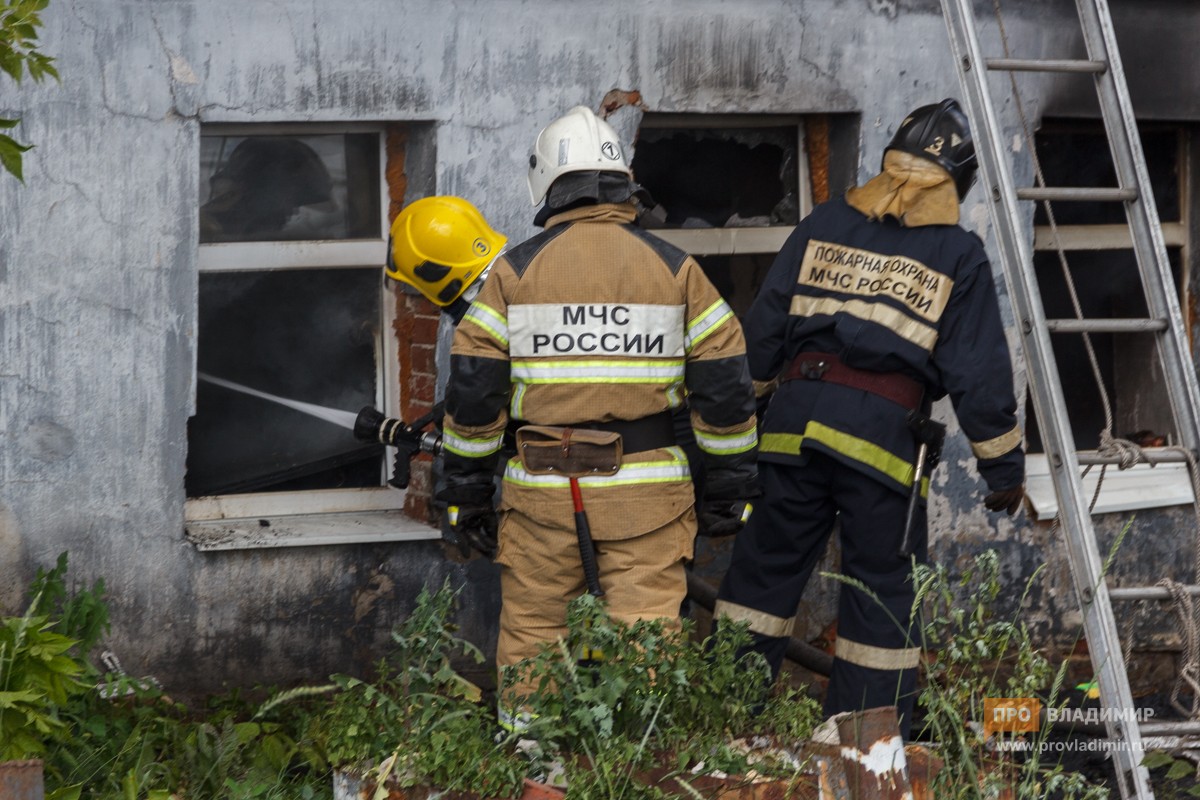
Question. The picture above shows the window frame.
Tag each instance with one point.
(1142, 486)
(324, 516)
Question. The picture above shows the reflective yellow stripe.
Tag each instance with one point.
(707, 323)
(994, 448)
(871, 657)
(490, 320)
(898, 322)
(853, 447)
(759, 621)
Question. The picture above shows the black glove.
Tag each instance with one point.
(726, 504)
(722, 517)
(473, 528)
(1007, 500)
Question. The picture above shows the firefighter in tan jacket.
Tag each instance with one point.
(595, 325)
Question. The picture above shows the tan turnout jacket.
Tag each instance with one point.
(595, 320)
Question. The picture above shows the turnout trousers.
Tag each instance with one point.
(774, 556)
(540, 573)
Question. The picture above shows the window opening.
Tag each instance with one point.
(720, 177)
(308, 335)
(281, 188)
(292, 304)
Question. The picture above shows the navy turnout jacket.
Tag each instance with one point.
(918, 301)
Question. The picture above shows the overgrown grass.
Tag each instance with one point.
(971, 655)
(655, 702)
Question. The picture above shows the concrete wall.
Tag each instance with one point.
(98, 256)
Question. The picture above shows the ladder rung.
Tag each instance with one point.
(1147, 592)
(1046, 65)
(1105, 325)
(1077, 194)
(1153, 455)
(1181, 728)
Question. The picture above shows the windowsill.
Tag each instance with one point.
(306, 530)
(726, 241)
(1142, 486)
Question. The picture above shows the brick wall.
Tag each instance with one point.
(416, 332)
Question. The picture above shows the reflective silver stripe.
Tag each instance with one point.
(759, 621)
(518, 397)
(707, 323)
(871, 657)
(673, 471)
(675, 395)
(470, 448)
(726, 444)
(920, 334)
(490, 320)
(994, 448)
(597, 371)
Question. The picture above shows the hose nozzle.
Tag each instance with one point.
(373, 426)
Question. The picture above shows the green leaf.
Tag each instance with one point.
(66, 792)
(1157, 758)
(1180, 769)
(9, 123)
(10, 62)
(10, 155)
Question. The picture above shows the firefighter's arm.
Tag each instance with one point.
(973, 358)
(721, 398)
(766, 322)
(477, 394)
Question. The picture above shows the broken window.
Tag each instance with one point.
(729, 189)
(1097, 247)
(292, 318)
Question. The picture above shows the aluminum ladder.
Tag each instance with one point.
(1165, 321)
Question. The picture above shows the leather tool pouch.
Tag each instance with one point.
(570, 452)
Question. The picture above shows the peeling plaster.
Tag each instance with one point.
(887, 8)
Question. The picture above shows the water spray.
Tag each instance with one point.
(344, 419)
(368, 425)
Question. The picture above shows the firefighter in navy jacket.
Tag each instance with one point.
(594, 324)
(878, 304)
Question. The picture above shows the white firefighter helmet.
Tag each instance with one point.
(578, 141)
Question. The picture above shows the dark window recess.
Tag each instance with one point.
(1108, 286)
(1076, 154)
(287, 188)
(719, 177)
(306, 335)
(737, 277)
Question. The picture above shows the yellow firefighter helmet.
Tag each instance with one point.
(440, 246)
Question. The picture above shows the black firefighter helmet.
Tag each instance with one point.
(941, 133)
